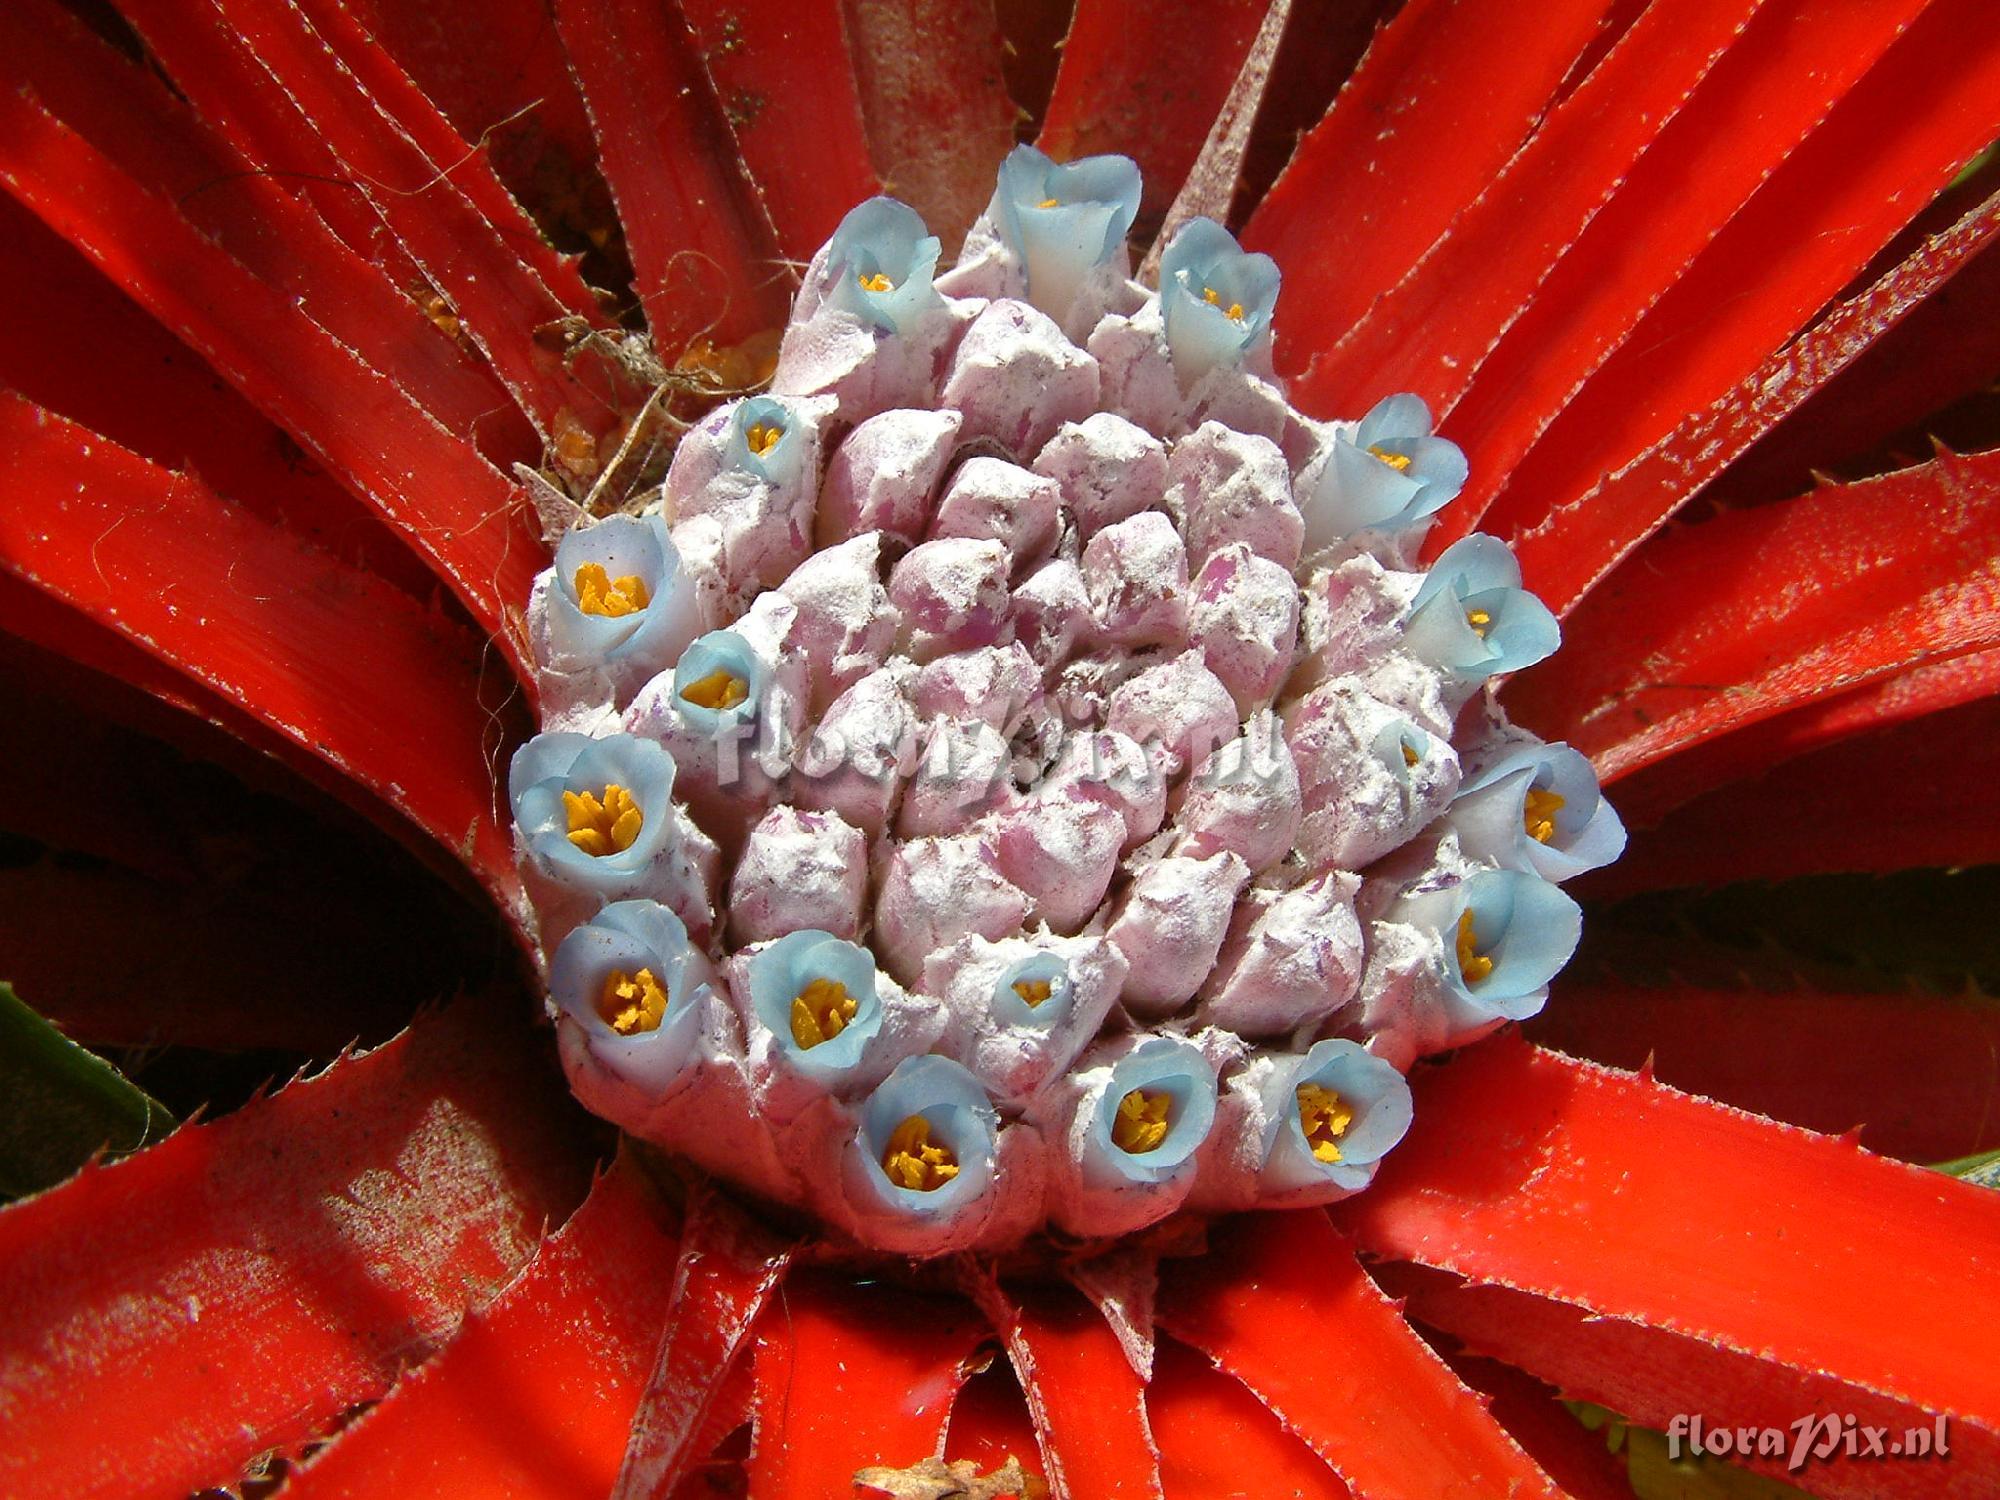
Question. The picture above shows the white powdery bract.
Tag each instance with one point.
(1039, 783)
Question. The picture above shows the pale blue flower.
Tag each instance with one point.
(881, 261)
(1159, 1065)
(959, 1118)
(1471, 617)
(1215, 298)
(1537, 808)
(1395, 743)
(1010, 1008)
(550, 765)
(1369, 1086)
(767, 438)
(728, 653)
(781, 972)
(1063, 220)
(1390, 475)
(614, 550)
(625, 938)
(1523, 926)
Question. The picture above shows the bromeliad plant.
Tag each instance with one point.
(1037, 781)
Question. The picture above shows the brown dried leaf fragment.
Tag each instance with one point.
(934, 1479)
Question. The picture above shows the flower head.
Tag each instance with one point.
(1390, 474)
(1063, 219)
(632, 980)
(1330, 1117)
(1537, 808)
(879, 265)
(815, 995)
(593, 813)
(1216, 298)
(1471, 617)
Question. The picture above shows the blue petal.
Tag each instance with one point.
(1097, 199)
(628, 936)
(720, 651)
(1011, 1010)
(1375, 1091)
(624, 546)
(1160, 1064)
(1489, 809)
(779, 972)
(1394, 421)
(779, 464)
(579, 763)
(1201, 335)
(1479, 572)
(960, 1116)
(1390, 742)
(1527, 927)
(884, 238)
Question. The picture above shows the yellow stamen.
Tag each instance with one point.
(879, 282)
(1234, 311)
(1480, 621)
(631, 1002)
(599, 594)
(762, 437)
(1141, 1122)
(1410, 756)
(1324, 1116)
(1050, 203)
(1034, 991)
(719, 689)
(603, 825)
(1538, 814)
(1473, 965)
(820, 1012)
(1400, 462)
(912, 1161)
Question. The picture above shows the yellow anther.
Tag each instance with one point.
(1050, 203)
(1034, 991)
(1141, 1122)
(603, 825)
(1538, 814)
(1400, 462)
(631, 1003)
(876, 283)
(912, 1161)
(1480, 621)
(599, 594)
(1324, 1116)
(1410, 756)
(820, 1012)
(1234, 311)
(762, 437)
(1473, 965)
(719, 689)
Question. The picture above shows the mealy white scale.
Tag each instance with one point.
(1015, 775)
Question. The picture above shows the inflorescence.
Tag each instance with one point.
(1015, 776)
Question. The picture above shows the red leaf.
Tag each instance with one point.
(990, 1422)
(532, 1399)
(1280, 1303)
(703, 250)
(1575, 1457)
(1087, 1401)
(427, 482)
(1706, 164)
(1628, 1199)
(727, 1271)
(781, 70)
(1136, 84)
(1425, 123)
(1760, 611)
(1836, 200)
(124, 111)
(1217, 1440)
(934, 103)
(1429, 332)
(1918, 1073)
(853, 1374)
(1652, 1377)
(236, 1288)
(335, 661)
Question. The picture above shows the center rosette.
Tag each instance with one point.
(1014, 775)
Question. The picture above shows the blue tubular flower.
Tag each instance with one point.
(1215, 297)
(632, 980)
(926, 1140)
(620, 595)
(1035, 992)
(1538, 809)
(767, 439)
(881, 261)
(719, 683)
(1508, 936)
(1400, 745)
(815, 994)
(1331, 1116)
(1152, 1117)
(1472, 618)
(1390, 475)
(1063, 221)
(594, 813)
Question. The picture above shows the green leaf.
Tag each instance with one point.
(1982, 1168)
(60, 1105)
